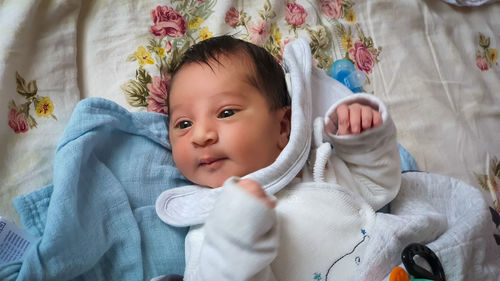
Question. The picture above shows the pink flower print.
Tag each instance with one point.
(482, 63)
(157, 99)
(18, 122)
(332, 8)
(167, 22)
(295, 14)
(259, 32)
(362, 57)
(232, 17)
(168, 46)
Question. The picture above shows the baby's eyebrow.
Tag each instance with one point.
(172, 117)
(173, 108)
(230, 93)
(216, 97)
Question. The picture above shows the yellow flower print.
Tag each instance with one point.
(205, 33)
(350, 17)
(275, 32)
(195, 24)
(143, 56)
(160, 51)
(493, 55)
(347, 42)
(44, 108)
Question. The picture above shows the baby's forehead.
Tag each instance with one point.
(236, 60)
(233, 64)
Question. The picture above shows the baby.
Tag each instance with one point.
(230, 115)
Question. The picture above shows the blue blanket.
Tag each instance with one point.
(97, 220)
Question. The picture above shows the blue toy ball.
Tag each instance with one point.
(343, 71)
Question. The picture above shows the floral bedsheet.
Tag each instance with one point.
(435, 66)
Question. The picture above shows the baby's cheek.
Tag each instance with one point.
(181, 159)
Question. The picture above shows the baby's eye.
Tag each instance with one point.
(226, 113)
(183, 124)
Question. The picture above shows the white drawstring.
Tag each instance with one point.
(318, 128)
(323, 151)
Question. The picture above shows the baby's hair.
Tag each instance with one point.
(268, 76)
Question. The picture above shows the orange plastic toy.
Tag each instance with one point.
(398, 274)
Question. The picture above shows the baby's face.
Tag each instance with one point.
(220, 124)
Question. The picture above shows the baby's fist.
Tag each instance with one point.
(256, 190)
(356, 118)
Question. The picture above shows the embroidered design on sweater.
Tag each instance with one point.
(357, 258)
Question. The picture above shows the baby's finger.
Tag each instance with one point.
(377, 119)
(366, 117)
(355, 118)
(343, 120)
(256, 190)
(252, 187)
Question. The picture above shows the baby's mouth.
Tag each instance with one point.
(211, 162)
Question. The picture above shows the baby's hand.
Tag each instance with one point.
(356, 118)
(256, 190)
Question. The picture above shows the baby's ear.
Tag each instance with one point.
(285, 114)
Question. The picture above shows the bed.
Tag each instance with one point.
(435, 65)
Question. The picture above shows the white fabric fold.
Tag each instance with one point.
(447, 215)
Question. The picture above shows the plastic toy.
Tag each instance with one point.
(343, 71)
(420, 274)
(398, 274)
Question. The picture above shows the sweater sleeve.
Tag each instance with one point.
(371, 159)
(241, 238)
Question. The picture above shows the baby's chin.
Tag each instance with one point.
(216, 180)
(211, 183)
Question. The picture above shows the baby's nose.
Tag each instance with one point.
(204, 135)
